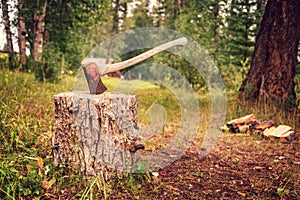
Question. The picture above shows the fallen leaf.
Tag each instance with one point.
(155, 180)
(156, 174)
(259, 168)
(242, 194)
(41, 165)
(40, 162)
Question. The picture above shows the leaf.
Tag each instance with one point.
(258, 168)
(48, 184)
(156, 174)
(51, 182)
(242, 194)
(40, 162)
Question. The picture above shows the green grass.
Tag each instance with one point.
(26, 119)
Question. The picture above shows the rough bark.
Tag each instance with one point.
(11, 56)
(22, 35)
(273, 66)
(39, 29)
(96, 133)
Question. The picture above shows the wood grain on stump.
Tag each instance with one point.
(94, 133)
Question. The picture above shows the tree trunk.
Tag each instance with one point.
(115, 28)
(273, 66)
(22, 35)
(11, 56)
(38, 29)
(181, 5)
(96, 133)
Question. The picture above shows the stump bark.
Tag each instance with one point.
(96, 133)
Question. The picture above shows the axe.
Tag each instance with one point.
(93, 68)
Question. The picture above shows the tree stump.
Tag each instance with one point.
(95, 133)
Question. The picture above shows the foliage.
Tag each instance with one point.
(51, 65)
(141, 17)
(226, 29)
(243, 22)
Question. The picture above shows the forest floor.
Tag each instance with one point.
(238, 167)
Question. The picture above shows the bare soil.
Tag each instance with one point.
(238, 167)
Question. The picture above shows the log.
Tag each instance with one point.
(264, 124)
(234, 125)
(96, 133)
(287, 137)
(280, 130)
(244, 128)
(267, 131)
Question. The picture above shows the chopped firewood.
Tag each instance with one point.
(267, 131)
(263, 124)
(263, 127)
(234, 125)
(244, 129)
(224, 128)
(257, 132)
(287, 137)
(280, 130)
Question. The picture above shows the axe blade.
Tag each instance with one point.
(93, 78)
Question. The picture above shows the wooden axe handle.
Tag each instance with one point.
(132, 61)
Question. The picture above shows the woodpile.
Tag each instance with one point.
(266, 128)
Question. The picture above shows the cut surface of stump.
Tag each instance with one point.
(96, 133)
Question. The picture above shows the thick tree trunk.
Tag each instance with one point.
(9, 41)
(96, 133)
(272, 71)
(22, 35)
(38, 29)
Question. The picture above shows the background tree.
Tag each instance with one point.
(273, 66)
(242, 19)
(39, 14)
(69, 27)
(166, 12)
(7, 27)
(22, 34)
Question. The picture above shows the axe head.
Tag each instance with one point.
(93, 77)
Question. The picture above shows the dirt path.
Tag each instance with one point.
(239, 167)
